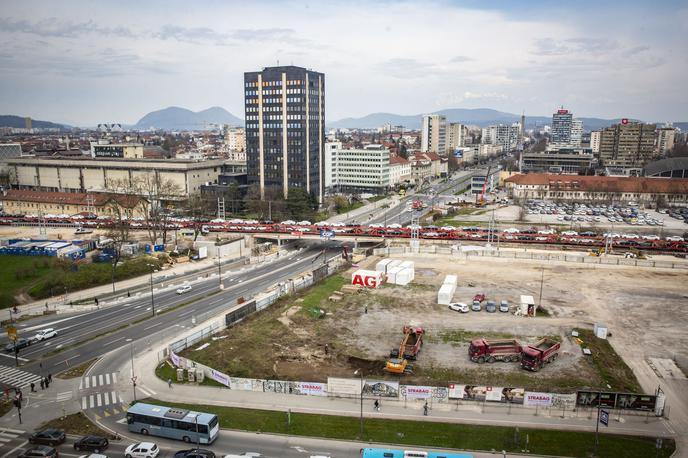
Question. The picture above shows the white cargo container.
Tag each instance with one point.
(381, 266)
(408, 264)
(600, 330)
(404, 276)
(367, 278)
(393, 263)
(392, 274)
(446, 294)
(450, 280)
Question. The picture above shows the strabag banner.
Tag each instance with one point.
(534, 398)
(416, 392)
(308, 388)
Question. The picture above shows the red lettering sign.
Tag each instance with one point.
(368, 281)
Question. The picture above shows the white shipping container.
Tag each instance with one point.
(367, 278)
(450, 280)
(408, 265)
(393, 263)
(404, 277)
(446, 294)
(381, 266)
(600, 331)
(392, 274)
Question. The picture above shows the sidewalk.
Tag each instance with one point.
(453, 412)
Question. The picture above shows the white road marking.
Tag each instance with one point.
(107, 379)
(99, 399)
(152, 326)
(84, 404)
(90, 402)
(87, 382)
(114, 397)
(100, 379)
(11, 452)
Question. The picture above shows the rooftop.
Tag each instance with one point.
(604, 183)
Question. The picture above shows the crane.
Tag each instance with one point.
(480, 199)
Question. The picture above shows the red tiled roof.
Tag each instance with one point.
(604, 184)
(68, 198)
(397, 160)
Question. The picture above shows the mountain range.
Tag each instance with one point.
(18, 122)
(177, 118)
(476, 116)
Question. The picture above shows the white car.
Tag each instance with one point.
(184, 289)
(674, 238)
(651, 237)
(459, 307)
(289, 221)
(511, 230)
(304, 223)
(142, 450)
(546, 231)
(45, 334)
(569, 233)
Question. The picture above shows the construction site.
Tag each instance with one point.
(582, 327)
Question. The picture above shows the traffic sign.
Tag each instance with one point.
(604, 417)
(326, 234)
(12, 333)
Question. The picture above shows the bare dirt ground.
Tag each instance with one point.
(645, 310)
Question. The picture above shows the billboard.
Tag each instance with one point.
(416, 392)
(486, 393)
(219, 377)
(381, 388)
(350, 386)
(367, 278)
(537, 399)
(308, 388)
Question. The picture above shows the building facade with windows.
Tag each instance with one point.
(627, 145)
(456, 136)
(358, 170)
(285, 129)
(595, 141)
(562, 122)
(665, 139)
(433, 134)
(117, 150)
(399, 171)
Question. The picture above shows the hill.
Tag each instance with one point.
(177, 118)
(18, 122)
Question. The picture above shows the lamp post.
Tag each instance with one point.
(219, 268)
(359, 372)
(152, 266)
(133, 377)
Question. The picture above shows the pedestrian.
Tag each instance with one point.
(366, 309)
(377, 405)
(169, 383)
(425, 409)
(42, 384)
(96, 302)
(33, 387)
(50, 378)
(327, 349)
(128, 294)
(46, 305)
(47, 383)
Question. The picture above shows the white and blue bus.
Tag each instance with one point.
(185, 425)
(390, 453)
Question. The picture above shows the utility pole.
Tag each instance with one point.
(542, 282)
(133, 377)
(151, 288)
(597, 424)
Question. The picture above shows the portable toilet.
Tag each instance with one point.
(528, 307)
(600, 330)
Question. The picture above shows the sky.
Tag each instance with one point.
(90, 62)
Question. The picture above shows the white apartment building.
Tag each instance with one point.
(576, 132)
(357, 170)
(399, 171)
(433, 134)
(489, 150)
(665, 139)
(502, 135)
(595, 141)
(456, 136)
(235, 138)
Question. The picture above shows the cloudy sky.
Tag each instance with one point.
(86, 62)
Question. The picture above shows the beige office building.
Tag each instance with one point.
(627, 145)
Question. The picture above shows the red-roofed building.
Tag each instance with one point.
(602, 189)
(428, 165)
(28, 202)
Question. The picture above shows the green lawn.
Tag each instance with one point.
(430, 434)
(20, 272)
(352, 206)
(319, 292)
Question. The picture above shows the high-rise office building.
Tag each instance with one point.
(433, 134)
(456, 136)
(665, 139)
(576, 132)
(561, 127)
(285, 129)
(595, 141)
(627, 145)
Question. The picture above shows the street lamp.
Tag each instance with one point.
(219, 268)
(152, 266)
(359, 372)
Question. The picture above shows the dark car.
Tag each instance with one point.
(19, 343)
(194, 453)
(42, 451)
(92, 443)
(48, 437)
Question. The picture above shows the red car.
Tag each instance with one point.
(479, 297)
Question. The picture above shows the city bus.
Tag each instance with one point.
(172, 423)
(390, 453)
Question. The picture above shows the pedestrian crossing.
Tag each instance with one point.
(16, 378)
(94, 381)
(7, 435)
(95, 400)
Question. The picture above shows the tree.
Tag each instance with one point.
(402, 151)
(300, 204)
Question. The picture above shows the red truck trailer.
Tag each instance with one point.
(410, 344)
(482, 350)
(537, 355)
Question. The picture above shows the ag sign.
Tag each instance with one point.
(326, 234)
(367, 278)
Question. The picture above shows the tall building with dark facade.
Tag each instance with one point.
(562, 121)
(285, 129)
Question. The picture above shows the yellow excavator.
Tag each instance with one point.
(409, 349)
(597, 252)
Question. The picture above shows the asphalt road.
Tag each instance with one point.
(78, 334)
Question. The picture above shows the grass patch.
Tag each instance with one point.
(312, 299)
(430, 434)
(352, 206)
(20, 272)
(166, 371)
(376, 198)
(611, 367)
(76, 371)
(76, 423)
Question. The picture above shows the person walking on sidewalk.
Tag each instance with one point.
(169, 383)
(377, 405)
(33, 387)
(425, 409)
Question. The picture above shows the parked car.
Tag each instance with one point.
(476, 307)
(48, 436)
(491, 306)
(459, 307)
(504, 306)
(92, 443)
(18, 344)
(194, 453)
(142, 450)
(511, 230)
(479, 297)
(45, 334)
(569, 233)
(184, 289)
(40, 451)
(674, 238)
